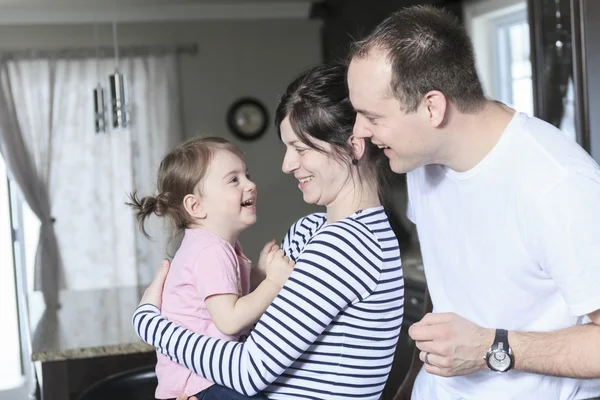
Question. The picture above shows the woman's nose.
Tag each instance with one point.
(290, 164)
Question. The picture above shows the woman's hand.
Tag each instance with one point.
(153, 293)
(184, 396)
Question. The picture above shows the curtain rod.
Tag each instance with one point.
(101, 52)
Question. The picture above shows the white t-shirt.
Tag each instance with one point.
(513, 243)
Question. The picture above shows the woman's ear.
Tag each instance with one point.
(357, 146)
(193, 206)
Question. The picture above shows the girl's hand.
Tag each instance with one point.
(279, 267)
(153, 293)
(267, 251)
(259, 271)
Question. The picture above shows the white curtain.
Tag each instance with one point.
(83, 178)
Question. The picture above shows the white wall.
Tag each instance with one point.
(236, 58)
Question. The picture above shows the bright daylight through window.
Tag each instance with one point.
(11, 373)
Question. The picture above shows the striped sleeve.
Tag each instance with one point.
(300, 233)
(338, 267)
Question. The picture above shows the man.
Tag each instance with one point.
(508, 214)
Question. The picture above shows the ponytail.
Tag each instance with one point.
(147, 206)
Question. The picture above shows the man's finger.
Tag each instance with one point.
(426, 333)
(436, 318)
(435, 370)
(430, 346)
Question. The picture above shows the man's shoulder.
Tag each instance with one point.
(550, 157)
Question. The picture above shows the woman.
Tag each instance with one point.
(332, 330)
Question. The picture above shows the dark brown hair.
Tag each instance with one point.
(428, 50)
(318, 106)
(180, 173)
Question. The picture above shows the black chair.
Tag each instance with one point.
(135, 384)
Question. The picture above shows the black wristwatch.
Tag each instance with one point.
(499, 357)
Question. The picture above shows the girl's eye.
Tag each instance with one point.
(234, 180)
(248, 176)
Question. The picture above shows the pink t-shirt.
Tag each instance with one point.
(203, 266)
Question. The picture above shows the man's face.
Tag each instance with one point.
(380, 116)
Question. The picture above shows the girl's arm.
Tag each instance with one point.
(335, 270)
(232, 314)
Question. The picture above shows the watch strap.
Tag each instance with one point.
(501, 340)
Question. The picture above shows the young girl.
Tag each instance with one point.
(206, 193)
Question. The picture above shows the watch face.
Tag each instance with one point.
(499, 360)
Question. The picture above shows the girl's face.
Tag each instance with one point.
(228, 196)
(322, 179)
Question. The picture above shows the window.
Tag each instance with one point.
(11, 368)
(19, 229)
(501, 41)
(500, 33)
(513, 74)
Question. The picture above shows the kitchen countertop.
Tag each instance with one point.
(97, 323)
(91, 323)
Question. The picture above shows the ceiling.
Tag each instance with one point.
(110, 3)
(23, 12)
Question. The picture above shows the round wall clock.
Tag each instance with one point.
(247, 118)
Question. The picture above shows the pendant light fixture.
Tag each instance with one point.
(99, 98)
(120, 115)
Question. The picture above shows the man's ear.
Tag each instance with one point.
(193, 206)
(358, 147)
(435, 105)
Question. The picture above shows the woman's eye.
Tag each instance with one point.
(301, 151)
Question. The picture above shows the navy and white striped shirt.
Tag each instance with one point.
(331, 332)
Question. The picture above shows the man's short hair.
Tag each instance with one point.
(428, 50)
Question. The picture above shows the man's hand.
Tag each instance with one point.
(153, 293)
(453, 345)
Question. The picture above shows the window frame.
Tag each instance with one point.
(502, 57)
(17, 237)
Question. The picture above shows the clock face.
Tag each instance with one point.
(247, 119)
(499, 361)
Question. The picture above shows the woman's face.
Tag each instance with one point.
(321, 178)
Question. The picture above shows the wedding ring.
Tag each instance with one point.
(427, 358)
